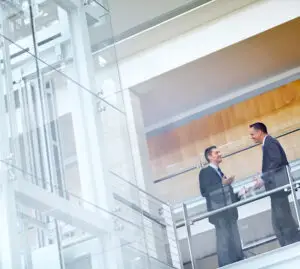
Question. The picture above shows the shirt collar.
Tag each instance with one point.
(264, 140)
(213, 166)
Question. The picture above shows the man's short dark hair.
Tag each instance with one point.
(208, 151)
(259, 126)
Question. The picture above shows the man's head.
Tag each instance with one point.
(258, 131)
(213, 155)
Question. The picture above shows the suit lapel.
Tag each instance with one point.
(264, 151)
(216, 173)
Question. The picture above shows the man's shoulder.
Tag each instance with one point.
(206, 170)
(271, 140)
(272, 144)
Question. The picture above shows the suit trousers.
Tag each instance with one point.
(284, 225)
(229, 248)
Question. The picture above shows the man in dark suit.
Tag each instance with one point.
(217, 190)
(274, 175)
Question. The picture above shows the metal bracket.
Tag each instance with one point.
(9, 162)
(160, 211)
(118, 226)
(116, 209)
(87, 2)
(101, 108)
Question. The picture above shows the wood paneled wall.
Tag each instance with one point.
(183, 147)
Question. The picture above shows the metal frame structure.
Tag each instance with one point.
(33, 188)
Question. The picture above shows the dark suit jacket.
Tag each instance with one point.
(274, 165)
(217, 195)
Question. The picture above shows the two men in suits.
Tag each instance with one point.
(217, 190)
(274, 175)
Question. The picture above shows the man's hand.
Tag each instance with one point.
(227, 180)
(243, 191)
(258, 182)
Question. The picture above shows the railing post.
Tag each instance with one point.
(294, 195)
(189, 235)
(174, 231)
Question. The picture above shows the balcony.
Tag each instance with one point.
(197, 236)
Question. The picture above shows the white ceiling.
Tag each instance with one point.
(137, 32)
(134, 21)
(133, 13)
(220, 73)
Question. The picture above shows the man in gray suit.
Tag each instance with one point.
(218, 192)
(274, 175)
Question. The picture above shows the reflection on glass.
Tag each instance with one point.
(67, 149)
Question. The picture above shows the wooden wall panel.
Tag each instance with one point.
(183, 147)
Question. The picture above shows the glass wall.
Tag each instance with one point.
(69, 197)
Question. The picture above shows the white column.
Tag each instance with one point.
(10, 246)
(8, 85)
(172, 236)
(87, 183)
(112, 254)
(26, 242)
(97, 254)
(89, 131)
(84, 114)
(143, 173)
(138, 141)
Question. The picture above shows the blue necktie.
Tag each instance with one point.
(221, 173)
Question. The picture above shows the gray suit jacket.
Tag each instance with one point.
(216, 194)
(274, 166)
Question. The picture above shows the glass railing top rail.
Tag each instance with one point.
(195, 203)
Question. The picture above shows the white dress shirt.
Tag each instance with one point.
(216, 168)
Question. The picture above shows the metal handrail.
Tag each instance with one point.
(139, 210)
(237, 204)
(138, 188)
(186, 170)
(237, 185)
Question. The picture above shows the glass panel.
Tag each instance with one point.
(65, 243)
(71, 161)
(16, 27)
(105, 61)
(157, 220)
